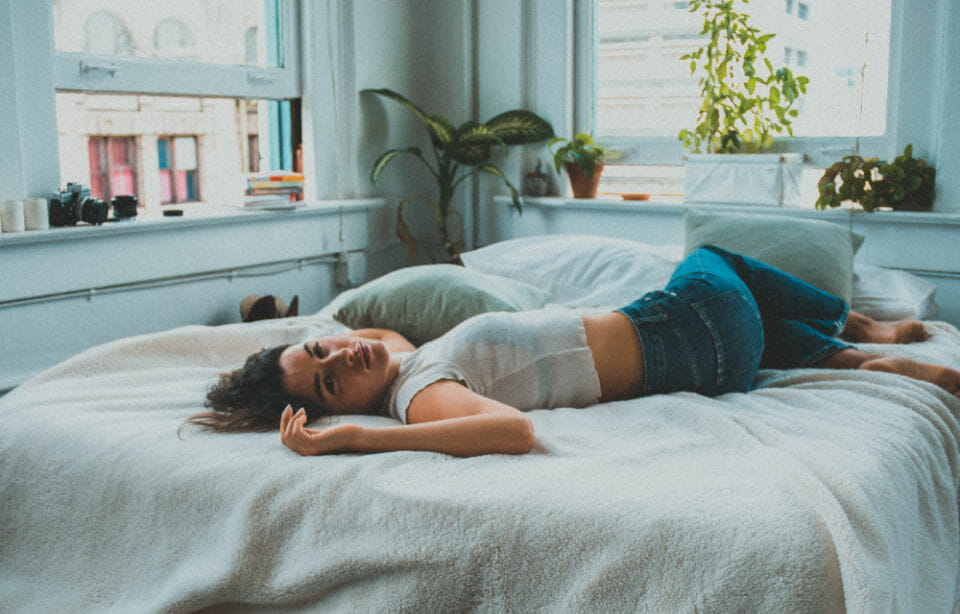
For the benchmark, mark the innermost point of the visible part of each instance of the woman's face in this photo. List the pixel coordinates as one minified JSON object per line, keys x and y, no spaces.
{"x":344,"y":374}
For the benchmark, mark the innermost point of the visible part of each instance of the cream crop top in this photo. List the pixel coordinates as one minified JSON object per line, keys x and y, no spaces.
{"x":528,"y":360}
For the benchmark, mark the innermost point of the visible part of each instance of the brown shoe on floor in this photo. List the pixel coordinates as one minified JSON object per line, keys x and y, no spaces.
{"x":256,"y":307}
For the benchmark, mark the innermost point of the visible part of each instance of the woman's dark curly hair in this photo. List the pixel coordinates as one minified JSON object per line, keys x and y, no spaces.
{"x":252,"y":397}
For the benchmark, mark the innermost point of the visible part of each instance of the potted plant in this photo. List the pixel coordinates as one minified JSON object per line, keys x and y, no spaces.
{"x":583,"y":159}
{"x":458,"y":153}
{"x":745,"y":103}
{"x":906,"y":184}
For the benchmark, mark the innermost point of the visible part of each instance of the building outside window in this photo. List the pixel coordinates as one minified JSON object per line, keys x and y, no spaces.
{"x":253,"y":146}
{"x":803,"y":11}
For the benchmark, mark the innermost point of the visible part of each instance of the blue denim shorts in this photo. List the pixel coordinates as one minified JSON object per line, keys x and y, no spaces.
{"x":723,"y":316}
{"x":701,"y":339}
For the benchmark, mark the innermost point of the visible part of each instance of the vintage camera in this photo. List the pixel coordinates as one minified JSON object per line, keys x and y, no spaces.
{"x":75,"y":204}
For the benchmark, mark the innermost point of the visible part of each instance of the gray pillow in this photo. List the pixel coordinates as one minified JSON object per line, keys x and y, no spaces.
{"x":424,"y":302}
{"x":820,"y":253}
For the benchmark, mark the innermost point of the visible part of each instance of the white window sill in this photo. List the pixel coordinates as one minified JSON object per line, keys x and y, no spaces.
{"x":674,"y":205}
{"x":194,"y":215}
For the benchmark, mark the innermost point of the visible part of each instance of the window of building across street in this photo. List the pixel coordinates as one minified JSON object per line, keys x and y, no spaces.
{"x":113,"y":166}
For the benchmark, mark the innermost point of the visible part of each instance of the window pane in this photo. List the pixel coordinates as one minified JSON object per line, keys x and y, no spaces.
{"x":186,"y":148}
{"x":645,"y":90}
{"x":168,"y":149}
{"x":163,"y":153}
{"x":227,"y":32}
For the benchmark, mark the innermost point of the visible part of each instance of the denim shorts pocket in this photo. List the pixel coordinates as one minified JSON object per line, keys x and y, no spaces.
{"x":736,"y":333}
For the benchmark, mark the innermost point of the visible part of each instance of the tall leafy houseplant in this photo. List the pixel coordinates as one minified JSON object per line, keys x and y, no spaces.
{"x":459,"y":152}
{"x":745,"y":101}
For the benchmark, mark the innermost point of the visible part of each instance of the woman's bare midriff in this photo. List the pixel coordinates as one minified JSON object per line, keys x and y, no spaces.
{"x":617,"y":355}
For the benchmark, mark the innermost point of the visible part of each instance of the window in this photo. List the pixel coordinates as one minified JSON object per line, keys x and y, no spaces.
{"x":194,"y":93}
{"x":177,"y":161}
{"x":644,"y":93}
{"x":113,"y":166}
{"x":173,"y":39}
{"x":253,"y":156}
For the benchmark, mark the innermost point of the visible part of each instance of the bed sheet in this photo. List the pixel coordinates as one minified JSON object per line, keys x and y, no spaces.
{"x":821,"y":491}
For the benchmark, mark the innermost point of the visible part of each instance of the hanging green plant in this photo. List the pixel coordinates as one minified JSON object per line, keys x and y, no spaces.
{"x":745,"y":100}
{"x":906,"y":184}
{"x":458,"y":153}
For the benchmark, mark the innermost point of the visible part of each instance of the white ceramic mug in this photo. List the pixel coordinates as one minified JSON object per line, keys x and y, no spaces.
{"x":11,"y":216}
{"x":36,"y":214}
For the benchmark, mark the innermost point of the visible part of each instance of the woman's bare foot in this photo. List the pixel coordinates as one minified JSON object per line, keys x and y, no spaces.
{"x":945,"y":377}
{"x":863,"y":329}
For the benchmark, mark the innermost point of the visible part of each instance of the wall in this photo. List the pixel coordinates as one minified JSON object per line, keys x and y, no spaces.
{"x":419,"y":48}
{"x":67,"y":289}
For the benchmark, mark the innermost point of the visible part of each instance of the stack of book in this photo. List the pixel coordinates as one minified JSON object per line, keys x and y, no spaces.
{"x":276,"y":188}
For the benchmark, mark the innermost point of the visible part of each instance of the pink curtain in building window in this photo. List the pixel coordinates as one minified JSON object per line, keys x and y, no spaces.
{"x":166,"y":187}
{"x":181,"y":178}
{"x":122,"y":182}
{"x":96,"y":172}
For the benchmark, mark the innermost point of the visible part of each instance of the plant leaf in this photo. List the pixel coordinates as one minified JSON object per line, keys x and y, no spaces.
{"x":472,"y":143}
{"x":389,"y":155}
{"x":519,"y":126}
{"x":493,"y":170}
{"x":441,"y":131}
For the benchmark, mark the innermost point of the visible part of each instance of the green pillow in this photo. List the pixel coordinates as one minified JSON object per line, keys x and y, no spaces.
{"x":424,"y":302}
{"x":818,"y":252}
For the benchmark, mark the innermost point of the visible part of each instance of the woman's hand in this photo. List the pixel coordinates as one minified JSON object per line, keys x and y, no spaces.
{"x":310,"y":442}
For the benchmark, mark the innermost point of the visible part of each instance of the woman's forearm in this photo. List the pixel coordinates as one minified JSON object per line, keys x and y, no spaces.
{"x":467,"y":436}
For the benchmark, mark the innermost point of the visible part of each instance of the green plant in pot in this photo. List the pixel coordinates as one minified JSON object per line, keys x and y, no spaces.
{"x":745,"y":100}
{"x":459,"y":153}
{"x":906,"y":184}
{"x":583,"y":160}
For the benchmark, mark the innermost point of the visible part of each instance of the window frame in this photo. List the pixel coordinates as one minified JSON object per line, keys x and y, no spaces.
{"x":906,"y":111}
{"x":95,"y":73}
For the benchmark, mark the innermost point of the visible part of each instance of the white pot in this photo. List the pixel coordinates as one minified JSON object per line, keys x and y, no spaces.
{"x":743,"y":179}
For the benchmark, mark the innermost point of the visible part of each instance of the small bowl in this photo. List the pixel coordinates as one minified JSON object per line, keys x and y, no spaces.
{"x":634,"y":196}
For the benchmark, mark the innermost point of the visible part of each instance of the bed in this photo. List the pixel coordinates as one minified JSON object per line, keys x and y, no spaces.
{"x":820,"y":491}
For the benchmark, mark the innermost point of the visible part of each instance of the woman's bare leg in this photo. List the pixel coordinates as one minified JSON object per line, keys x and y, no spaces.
{"x":864,"y":329}
{"x":850,"y":358}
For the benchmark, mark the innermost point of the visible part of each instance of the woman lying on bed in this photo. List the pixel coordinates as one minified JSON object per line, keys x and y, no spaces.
{"x":721,"y":317}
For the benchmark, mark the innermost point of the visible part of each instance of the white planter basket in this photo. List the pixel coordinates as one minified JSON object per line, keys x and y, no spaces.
{"x":743,"y":179}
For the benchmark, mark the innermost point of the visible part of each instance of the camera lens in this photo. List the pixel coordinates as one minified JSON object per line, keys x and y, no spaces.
{"x":93,"y":210}
{"x":124,"y":207}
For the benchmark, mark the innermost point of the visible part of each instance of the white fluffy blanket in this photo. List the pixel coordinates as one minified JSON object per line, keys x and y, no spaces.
{"x":820,"y":492}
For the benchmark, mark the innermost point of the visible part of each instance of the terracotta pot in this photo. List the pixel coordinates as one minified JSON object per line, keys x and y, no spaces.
{"x":583,"y":186}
